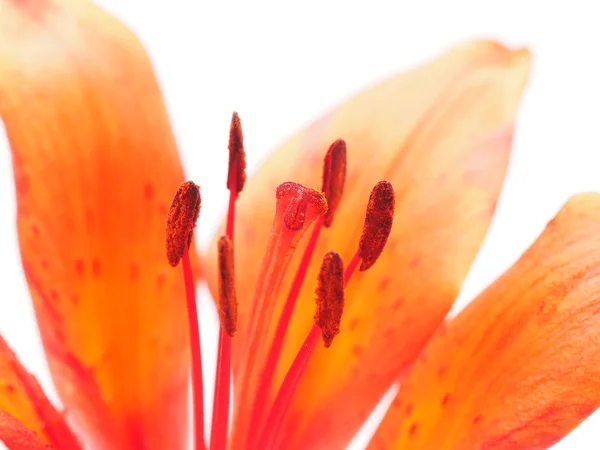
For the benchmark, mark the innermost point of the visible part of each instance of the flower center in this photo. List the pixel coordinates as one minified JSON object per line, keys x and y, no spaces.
{"x":297,"y":208}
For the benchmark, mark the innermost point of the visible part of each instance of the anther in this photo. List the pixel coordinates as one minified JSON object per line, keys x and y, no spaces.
{"x":227,"y":296}
{"x":378,"y":224}
{"x":334,"y":178}
{"x":181,"y":220}
{"x":330,"y":297}
{"x":301,"y":198}
{"x":236,"y":176}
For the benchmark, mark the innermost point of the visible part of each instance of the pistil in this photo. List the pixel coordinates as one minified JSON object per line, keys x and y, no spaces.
{"x":334,"y":178}
{"x":296,"y":209}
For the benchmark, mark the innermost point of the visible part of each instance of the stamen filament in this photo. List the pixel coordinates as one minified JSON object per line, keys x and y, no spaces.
{"x":220,"y":418}
{"x":351,"y":267}
{"x":264,"y":387}
{"x":330,"y":303}
{"x":196,"y":356}
{"x":271,"y":431}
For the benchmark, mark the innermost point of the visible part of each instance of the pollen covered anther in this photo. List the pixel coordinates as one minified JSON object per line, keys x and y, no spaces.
{"x":378,"y":224}
{"x":227,"y":296}
{"x":334,"y":178}
{"x":300,"y":199}
{"x":181,"y":220}
{"x":330,"y":297}
{"x":236,"y":176}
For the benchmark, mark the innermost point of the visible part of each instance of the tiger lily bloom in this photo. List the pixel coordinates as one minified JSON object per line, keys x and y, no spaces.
{"x":96,"y":169}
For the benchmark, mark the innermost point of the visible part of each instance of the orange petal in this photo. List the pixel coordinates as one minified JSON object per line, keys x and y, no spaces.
{"x":518,"y":368}
{"x":18,"y":437}
{"x":95,"y":167}
{"x":25,"y":409}
{"x":441,"y":134}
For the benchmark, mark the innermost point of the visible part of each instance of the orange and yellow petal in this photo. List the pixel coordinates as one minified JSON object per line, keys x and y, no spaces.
{"x":16,"y":436}
{"x":95,"y":167}
{"x":441,"y":134}
{"x":24,"y":409}
{"x":518,"y":368}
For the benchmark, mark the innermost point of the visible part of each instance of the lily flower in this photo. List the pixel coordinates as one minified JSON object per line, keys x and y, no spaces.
{"x":96,"y":169}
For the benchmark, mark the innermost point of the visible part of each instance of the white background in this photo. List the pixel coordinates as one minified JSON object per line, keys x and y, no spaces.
{"x":281,"y":65}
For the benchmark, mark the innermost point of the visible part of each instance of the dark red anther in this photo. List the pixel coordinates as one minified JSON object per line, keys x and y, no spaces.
{"x":378,"y":224}
{"x":334,"y":178}
{"x":181,"y":220}
{"x":236,"y":176}
{"x":227,"y":296}
{"x":330,"y":297}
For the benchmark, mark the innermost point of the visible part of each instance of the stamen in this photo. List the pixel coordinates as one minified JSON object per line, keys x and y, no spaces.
{"x":228,"y":318}
{"x":330,"y":304}
{"x":236,"y":177}
{"x":330,"y":297}
{"x":297,"y":208}
{"x":378,"y":224}
{"x":227,"y":296}
{"x":352,"y":265}
{"x":181,"y":220}
{"x":334,"y":178}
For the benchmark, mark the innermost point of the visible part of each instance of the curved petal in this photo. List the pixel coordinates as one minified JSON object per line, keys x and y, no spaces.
{"x":442,"y":135}
{"x":518,"y":368}
{"x":96,"y":166}
{"x":25,"y":410}
{"x":18,"y":437}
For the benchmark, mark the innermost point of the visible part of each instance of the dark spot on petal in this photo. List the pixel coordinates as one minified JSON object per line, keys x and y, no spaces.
{"x":79,"y":267}
{"x":409,"y":409}
{"x":148,"y":191}
{"x":476,"y":419}
{"x":445,"y":399}
{"x":384,"y":283}
{"x":357,"y":350}
{"x":415,"y":262}
{"x":413,"y":429}
{"x":353,"y":323}
{"x":442,"y":371}
{"x":35,"y":230}
{"x":540,"y":309}
{"x":45,"y":264}
{"x":397,"y":304}
{"x":54,"y":294}
{"x":161,"y":279}
{"x":96,"y":269}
